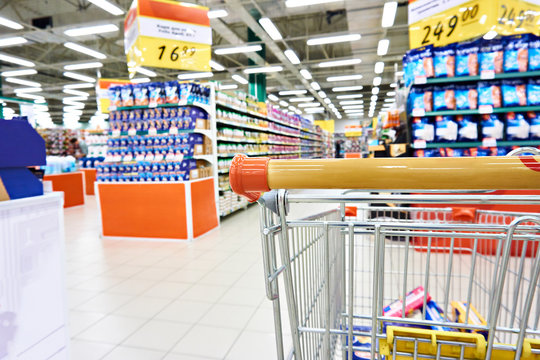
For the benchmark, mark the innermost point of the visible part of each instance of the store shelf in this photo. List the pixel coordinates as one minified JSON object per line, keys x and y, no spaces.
{"x":257,"y":128}
{"x":248,"y":141}
{"x":205,"y":132}
{"x":223,"y":171}
{"x":259,"y":154}
{"x":250,"y":113}
{"x":477,"y":144}
{"x":477,"y":112}
{"x":122,"y":108}
{"x":455,"y":79}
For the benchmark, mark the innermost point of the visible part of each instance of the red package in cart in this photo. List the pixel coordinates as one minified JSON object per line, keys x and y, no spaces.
{"x":414,"y":300}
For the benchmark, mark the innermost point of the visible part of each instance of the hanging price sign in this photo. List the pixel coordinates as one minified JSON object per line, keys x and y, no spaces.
{"x":518,"y":17}
{"x":168,"y":34}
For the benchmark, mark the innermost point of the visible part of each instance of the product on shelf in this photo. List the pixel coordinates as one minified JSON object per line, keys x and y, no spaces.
{"x":61,"y":142}
{"x":492,"y":127}
{"x":516,"y":53}
{"x":467,"y":128}
{"x":446,"y":129}
{"x":533,"y":92}
{"x":514,"y":92}
{"x":489,"y":94}
{"x":467,"y":58}
{"x":490,"y":57}
{"x":60,"y":164}
{"x":517,"y":126}
{"x":466,"y":96}
{"x":444,"y":98}
{"x":444,"y":61}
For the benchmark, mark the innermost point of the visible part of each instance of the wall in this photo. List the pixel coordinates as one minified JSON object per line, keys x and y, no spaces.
{"x":340,"y":124}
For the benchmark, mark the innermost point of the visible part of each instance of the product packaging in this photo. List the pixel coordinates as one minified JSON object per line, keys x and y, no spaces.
{"x":467,"y":128}
{"x":534,"y":53}
{"x":514,"y":92}
{"x":444,"y":98}
{"x":516,"y":53}
{"x":423,"y":129}
{"x":421,"y":98}
{"x":517,"y":127}
{"x":534,"y":121}
{"x":414,"y":300}
{"x":489,"y":93}
{"x":491,"y":56}
{"x":115,"y":95}
{"x":127,"y":95}
{"x":171,"y":92}
{"x":467,"y":58}
{"x":444,"y":60}
{"x":421,"y":62}
{"x":155,"y":94}
{"x":426,"y":153}
{"x":533,"y":91}
{"x":360,"y":341}
{"x":434,"y":313}
{"x":140,"y":94}
{"x":492,"y":127}
{"x":446,"y":129}
{"x":466,"y":96}
{"x":459,"y":314}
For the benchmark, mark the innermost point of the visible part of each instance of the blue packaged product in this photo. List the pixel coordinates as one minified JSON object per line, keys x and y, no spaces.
{"x":183,"y":92}
{"x":171,"y":92}
{"x":502,"y":151}
{"x":155,"y":94}
{"x":491,"y":56}
{"x":517,"y":127}
{"x":444,"y":98}
{"x":421,"y":62}
{"x":140,"y":94}
{"x":115,"y":95}
{"x":467,"y":128}
{"x":434,"y":313}
{"x":127,"y":95}
{"x":516,"y":53}
{"x":492,"y":127}
{"x":483,"y":151}
{"x":407,"y":71}
{"x":466,"y":96}
{"x":489,"y":93}
{"x":467,"y":58}
{"x":534,"y":53}
{"x":534,"y":121}
{"x":533,"y":91}
{"x":423,"y":129}
{"x":446,"y":129}
{"x":360,"y":342}
{"x":444,"y":60}
{"x":455,"y":152}
{"x":514,"y":92}
{"x":421,"y":98}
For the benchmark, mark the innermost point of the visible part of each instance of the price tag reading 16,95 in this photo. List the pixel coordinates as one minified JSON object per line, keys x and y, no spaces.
{"x":441,"y":22}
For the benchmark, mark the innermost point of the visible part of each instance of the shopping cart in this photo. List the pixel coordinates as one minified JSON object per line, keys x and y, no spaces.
{"x":365,"y":281}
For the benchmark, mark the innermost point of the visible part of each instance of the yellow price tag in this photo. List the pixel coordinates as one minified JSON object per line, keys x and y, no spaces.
{"x":518,"y":17}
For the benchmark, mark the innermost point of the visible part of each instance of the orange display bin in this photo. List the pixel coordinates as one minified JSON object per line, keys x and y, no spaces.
{"x":89,"y":180}
{"x":353,"y":155}
{"x":71,"y":184}
{"x":169,"y":210}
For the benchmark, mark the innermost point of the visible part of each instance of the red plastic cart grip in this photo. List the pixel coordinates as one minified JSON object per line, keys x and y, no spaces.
{"x":249,"y":176}
{"x":464,"y":214}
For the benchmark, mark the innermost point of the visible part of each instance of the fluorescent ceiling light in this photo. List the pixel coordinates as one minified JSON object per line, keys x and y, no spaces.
{"x":270,"y":28}
{"x":351,"y":102}
{"x":298,"y":112}
{"x":74,"y":107}
{"x":292,"y":92}
{"x":344,"y":78}
{"x":28,"y":90}
{"x":283,"y":103}
{"x":23,"y":82}
{"x":90,"y":65}
{"x":216,"y":66}
{"x":263,"y":69}
{"x":297,"y":3}
{"x":239,"y":79}
{"x":306,"y":74}
{"x":195,"y":75}
{"x":389,"y":14}
{"x":353,"y":111}
{"x":347,"y":88}
{"x":382,"y":48}
{"x":375,"y":90}
{"x":291,"y":55}
{"x":73,"y":112}
{"x":228,"y":87}
{"x":145,"y":71}
{"x":107,"y":6}
{"x":91,"y":30}
{"x":10,"y":24}
{"x":393,"y":85}
{"x":75,"y":92}
{"x":37,"y":98}
{"x":389,"y":100}
{"x":292,"y":108}
{"x":322,"y":94}
{"x":327,"y":100}
{"x":315,"y":86}
{"x":140,"y":80}
{"x":19,"y":72}
{"x":379,"y":67}
{"x":400,"y":73}
{"x":377,"y":81}
{"x":85,"y":50}
{"x":302,"y":99}
{"x":333,"y":39}
{"x":312,"y":104}
{"x":391,"y":93}
{"x":238,"y":49}
{"x":314,"y":110}
{"x":358,"y":108}
{"x":339,"y":63}
{"x":16,"y":60}
{"x":78,"y":76}
{"x":79,"y":86}
{"x":17,"y":40}
{"x":351,"y":96}
{"x":492,"y":34}
{"x":273,"y":97}
{"x":374,"y":98}
{"x":213,"y":14}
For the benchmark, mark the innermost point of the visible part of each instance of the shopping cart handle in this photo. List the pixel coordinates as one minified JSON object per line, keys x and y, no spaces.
{"x":252,"y":176}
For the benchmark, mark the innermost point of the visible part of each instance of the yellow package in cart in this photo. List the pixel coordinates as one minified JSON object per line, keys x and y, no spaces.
{"x":168,"y":34}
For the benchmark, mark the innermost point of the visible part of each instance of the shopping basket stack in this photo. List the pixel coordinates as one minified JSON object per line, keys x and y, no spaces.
{"x":365,"y":281}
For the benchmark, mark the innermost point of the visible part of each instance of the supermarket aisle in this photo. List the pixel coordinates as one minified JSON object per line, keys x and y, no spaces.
{"x":155,"y":300}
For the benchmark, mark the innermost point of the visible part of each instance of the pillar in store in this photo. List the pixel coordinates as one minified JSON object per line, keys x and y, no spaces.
{"x":257,"y":82}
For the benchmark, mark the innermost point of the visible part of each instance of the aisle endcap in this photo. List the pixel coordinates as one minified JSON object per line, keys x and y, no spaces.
{"x":249,"y":176}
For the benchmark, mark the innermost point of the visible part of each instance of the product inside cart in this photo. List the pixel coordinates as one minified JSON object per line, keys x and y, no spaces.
{"x":372,"y":281}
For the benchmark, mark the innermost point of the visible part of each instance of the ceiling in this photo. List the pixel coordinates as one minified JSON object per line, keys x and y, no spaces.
{"x":45,"y":46}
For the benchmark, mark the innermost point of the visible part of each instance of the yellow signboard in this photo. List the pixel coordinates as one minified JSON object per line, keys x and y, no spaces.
{"x":168,"y":34}
{"x":442,"y":22}
{"x":102,"y":93}
{"x":327,"y":125}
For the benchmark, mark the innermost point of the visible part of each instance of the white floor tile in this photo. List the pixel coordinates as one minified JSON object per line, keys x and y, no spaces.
{"x":81,"y":320}
{"x":207,"y":293}
{"x":158,"y":335}
{"x":167,"y":289}
{"x":186,"y":357}
{"x":184,"y":311}
{"x":254,"y":345}
{"x":88,"y":350}
{"x":143,"y":307}
{"x":125,"y":353}
{"x":132,"y":286}
{"x":228,"y":316}
{"x":242,"y":296}
{"x":112,"y":329}
{"x":105,"y":303}
{"x":207,"y":341}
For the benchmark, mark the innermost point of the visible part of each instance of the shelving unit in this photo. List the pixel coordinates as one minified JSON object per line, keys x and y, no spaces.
{"x":448,"y":80}
{"x":470,"y":144}
{"x":500,"y":110}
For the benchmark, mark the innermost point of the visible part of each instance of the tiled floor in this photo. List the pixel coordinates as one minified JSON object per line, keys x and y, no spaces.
{"x":131,"y":300}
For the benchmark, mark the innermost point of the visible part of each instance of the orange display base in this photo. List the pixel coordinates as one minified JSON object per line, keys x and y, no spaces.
{"x":89,"y":180}
{"x":71,"y":184}
{"x":353,"y":155}
{"x":169,"y":210}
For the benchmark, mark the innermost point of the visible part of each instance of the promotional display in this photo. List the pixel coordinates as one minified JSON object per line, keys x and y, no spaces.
{"x":167,"y":34}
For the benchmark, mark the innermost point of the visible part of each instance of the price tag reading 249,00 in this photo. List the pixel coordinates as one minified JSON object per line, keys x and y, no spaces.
{"x":446,"y":29}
